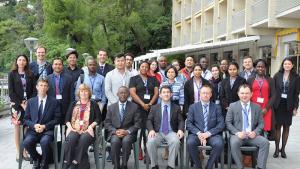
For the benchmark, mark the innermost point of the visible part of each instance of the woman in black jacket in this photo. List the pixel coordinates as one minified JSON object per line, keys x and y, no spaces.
{"x":286,"y":102}
{"x":21,"y":87}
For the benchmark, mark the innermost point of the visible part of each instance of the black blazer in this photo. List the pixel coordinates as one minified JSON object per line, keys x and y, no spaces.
{"x":189,"y":92}
{"x":272,"y":92}
{"x":293,"y":91}
{"x":107,"y":68}
{"x":228,"y":95}
{"x":95,"y":114}
{"x":35,"y":69}
{"x":66,"y":91}
{"x":132,"y":120}
{"x":154,"y":118}
{"x":15,"y":88}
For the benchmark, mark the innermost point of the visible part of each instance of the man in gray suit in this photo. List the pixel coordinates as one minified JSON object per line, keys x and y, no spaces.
{"x":122,"y":123}
{"x":164,"y":122}
{"x":244,"y":120}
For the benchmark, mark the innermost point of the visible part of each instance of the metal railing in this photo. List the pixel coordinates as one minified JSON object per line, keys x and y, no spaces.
{"x":4,"y":98}
{"x":196,"y":6}
{"x":238,"y":20}
{"x":222,"y":26}
{"x":208,"y":32}
{"x":284,"y":5}
{"x":259,"y":11}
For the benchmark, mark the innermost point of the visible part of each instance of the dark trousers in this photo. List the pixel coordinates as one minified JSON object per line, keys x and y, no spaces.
{"x":76,"y":145}
{"x":116,"y":144}
{"x":45,"y":141}
{"x":217,"y":144}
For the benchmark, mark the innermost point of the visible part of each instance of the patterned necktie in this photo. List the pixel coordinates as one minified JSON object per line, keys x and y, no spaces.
{"x":122,"y":111}
{"x":165,"y":122}
{"x":101,"y":69}
{"x":205,"y":114}
{"x":40,"y":111}
{"x":245,"y":112}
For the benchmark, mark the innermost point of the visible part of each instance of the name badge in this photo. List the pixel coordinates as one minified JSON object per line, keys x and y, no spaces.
{"x":147,"y":96}
{"x":93,"y":97}
{"x":260,"y":100}
{"x":81,"y":122}
{"x":59,"y":97}
{"x":25,"y":95}
{"x":283,"y":95}
{"x":217,"y":102}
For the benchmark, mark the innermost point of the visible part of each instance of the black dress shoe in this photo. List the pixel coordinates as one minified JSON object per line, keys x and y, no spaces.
{"x":156,"y":167}
{"x":168,"y":167}
{"x":283,"y":155}
{"x":65,"y":166}
{"x":276,"y":154}
{"x":36,"y":165}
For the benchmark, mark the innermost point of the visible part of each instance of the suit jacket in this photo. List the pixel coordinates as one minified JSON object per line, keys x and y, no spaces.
{"x":234,"y":118}
{"x":293,"y":91}
{"x":272,"y":91}
{"x":228,"y":95}
{"x":154,"y":118}
{"x":16,"y":91}
{"x":50,"y":118}
{"x":107,"y":68}
{"x":131,"y":122}
{"x":35,"y":69}
{"x":195,"y":119}
{"x":189,"y":92}
{"x":66,"y":91}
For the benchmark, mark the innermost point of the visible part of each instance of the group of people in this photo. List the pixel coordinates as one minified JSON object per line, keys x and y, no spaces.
{"x":161,"y":99}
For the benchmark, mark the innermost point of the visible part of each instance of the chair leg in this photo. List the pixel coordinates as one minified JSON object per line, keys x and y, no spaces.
{"x":136,"y":154}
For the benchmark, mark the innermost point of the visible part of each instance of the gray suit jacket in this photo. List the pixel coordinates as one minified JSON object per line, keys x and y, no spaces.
{"x":131,"y":121}
{"x":234,"y":118}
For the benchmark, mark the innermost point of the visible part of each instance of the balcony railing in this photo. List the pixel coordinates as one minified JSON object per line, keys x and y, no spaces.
{"x":259,"y":11}
{"x":284,"y":5}
{"x":208,"y":32}
{"x":238,"y":20}
{"x":197,"y":6}
{"x":207,"y":3}
{"x":222,"y":27}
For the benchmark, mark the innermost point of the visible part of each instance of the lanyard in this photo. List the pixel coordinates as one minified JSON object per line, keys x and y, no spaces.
{"x":146,"y":85}
{"x":58,"y":86}
{"x":198,"y":88}
{"x":260,"y":85}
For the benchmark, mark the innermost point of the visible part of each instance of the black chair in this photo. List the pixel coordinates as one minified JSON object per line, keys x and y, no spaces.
{"x":201,"y":148}
{"x":135,"y":146}
{"x":95,"y":146}
{"x":53,"y":146}
{"x":252,"y":149}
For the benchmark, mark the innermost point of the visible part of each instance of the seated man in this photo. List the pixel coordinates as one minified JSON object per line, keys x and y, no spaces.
{"x":164,"y":122}
{"x":205,"y":124}
{"x":41,"y":115}
{"x":244,"y":120}
{"x":122,"y":123}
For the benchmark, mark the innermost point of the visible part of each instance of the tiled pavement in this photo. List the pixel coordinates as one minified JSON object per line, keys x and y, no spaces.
{"x":7,"y":150}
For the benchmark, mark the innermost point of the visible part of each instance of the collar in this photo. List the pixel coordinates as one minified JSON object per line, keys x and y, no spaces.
{"x":203,"y":103}
{"x":92,"y":75}
{"x":249,"y":71}
{"x":165,"y":103}
{"x":44,"y":99}
{"x":69,"y":67}
{"x":102,"y":64}
{"x":248,"y":103}
{"x":120,"y":103}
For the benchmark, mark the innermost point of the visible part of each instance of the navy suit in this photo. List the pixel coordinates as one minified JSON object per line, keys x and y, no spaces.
{"x":215,"y":125}
{"x":65,"y":91}
{"x":50,"y":118}
{"x":35,"y":69}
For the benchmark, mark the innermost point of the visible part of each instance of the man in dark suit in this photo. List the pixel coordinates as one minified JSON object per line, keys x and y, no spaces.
{"x":60,"y":86}
{"x":122,"y":123}
{"x":40,"y":68}
{"x":41,"y":115}
{"x":103,"y":67}
{"x":205,"y":124}
{"x":164,"y":122}
{"x":244,"y":121}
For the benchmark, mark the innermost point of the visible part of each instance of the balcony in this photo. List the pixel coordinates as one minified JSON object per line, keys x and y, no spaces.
{"x":287,"y":7}
{"x":197,"y":6}
{"x":208,"y":33}
{"x":222,"y":27}
{"x":238,"y":21}
{"x":259,"y":11}
{"x":207,"y":3}
{"x":196,"y":36}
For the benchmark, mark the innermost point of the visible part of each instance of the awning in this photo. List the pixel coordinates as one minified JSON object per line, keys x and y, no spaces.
{"x":195,"y":47}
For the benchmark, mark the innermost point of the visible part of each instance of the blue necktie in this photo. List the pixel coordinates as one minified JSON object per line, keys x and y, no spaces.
{"x":165,"y":122}
{"x":245,"y":112}
{"x":122,"y":112}
{"x":205,"y":114}
{"x":40,"y":111}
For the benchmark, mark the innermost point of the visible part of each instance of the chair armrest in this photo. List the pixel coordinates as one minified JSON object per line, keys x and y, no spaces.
{"x":227,"y":135}
{"x":55,"y":132}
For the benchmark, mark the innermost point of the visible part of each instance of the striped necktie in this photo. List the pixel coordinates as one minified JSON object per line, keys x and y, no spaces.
{"x":205,"y":114}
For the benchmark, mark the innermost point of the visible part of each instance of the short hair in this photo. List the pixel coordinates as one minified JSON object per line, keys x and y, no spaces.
{"x":175,"y":60}
{"x":43,"y":47}
{"x":74,"y":52}
{"x":140,"y":64}
{"x":88,"y":58}
{"x":215,"y":65}
{"x":207,"y":86}
{"x":129,"y":54}
{"x":119,"y":55}
{"x":84,"y":86}
{"x":189,"y":56}
{"x":124,"y":87}
{"x":103,"y":50}
{"x":42,"y":80}
{"x":165,"y":87}
{"x":244,"y":86}
{"x":162,"y":57}
{"x":247,"y":57}
{"x":234,"y":64}
{"x":171,"y":67}
{"x":58,"y":58}
{"x":197,"y":64}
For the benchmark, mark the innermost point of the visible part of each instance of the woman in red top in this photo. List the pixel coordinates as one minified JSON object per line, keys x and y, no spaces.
{"x":263,"y":89}
{"x":153,"y":71}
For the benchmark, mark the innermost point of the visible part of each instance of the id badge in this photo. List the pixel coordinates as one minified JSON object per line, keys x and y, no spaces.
{"x":260,"y":100}
{"x":59,"y":97}
{"x":93,"y":97}
{"x":217,"y":102}
{"x":147,"y":96}
{"x":283,"y":95}
{"x":81,"y":122}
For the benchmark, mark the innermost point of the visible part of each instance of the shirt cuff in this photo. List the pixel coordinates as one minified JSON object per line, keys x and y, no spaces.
{"x":209,"y":134}
{"x":199,"y":132}
{"x":128,"y":131}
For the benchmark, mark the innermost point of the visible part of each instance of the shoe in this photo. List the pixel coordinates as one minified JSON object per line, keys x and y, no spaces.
{"x":168,"y":167}
{"x":108,"y":158}
{"x":283,"y":154}
{"x":276,"y":154}
{"x":74,"y":166}
{"x":65,"y":166}
{"x":156,"y":167}
{"x":36,"y":165}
